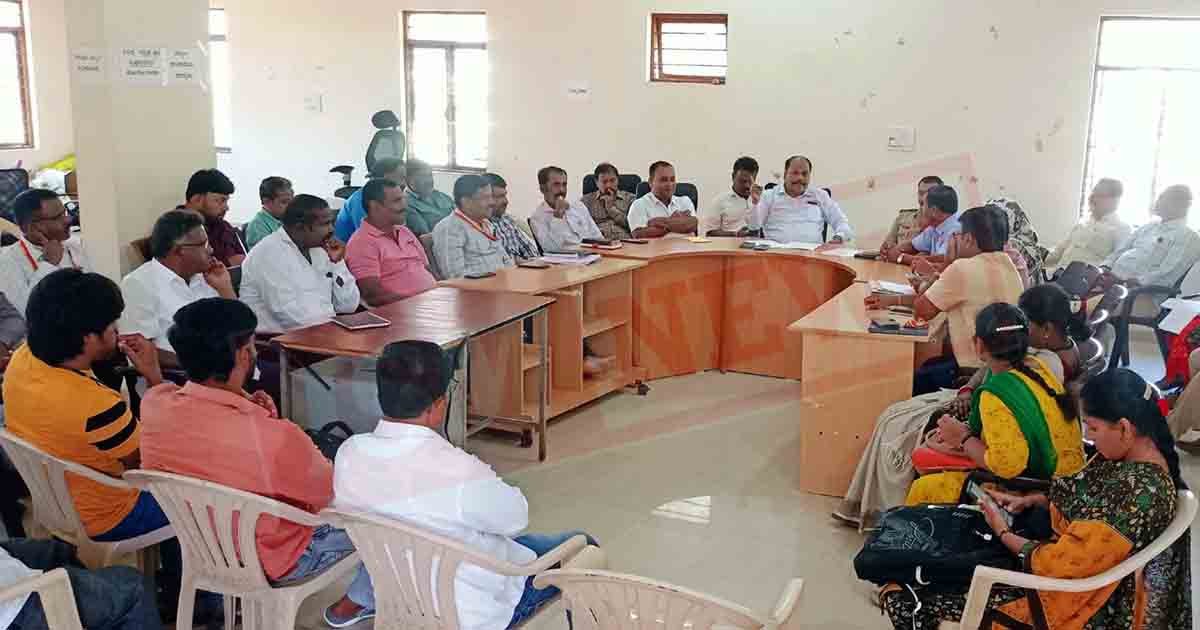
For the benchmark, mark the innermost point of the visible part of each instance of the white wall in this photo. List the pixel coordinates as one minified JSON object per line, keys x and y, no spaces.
{"x":50,"y":88}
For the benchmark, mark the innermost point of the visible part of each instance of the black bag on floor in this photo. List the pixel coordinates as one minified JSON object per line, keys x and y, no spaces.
{"x":930,"y":544}
{"x":327,"y":439}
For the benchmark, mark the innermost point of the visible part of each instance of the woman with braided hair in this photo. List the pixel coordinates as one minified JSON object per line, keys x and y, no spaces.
{"x":1022,"y":420}
{"x":1114,"y":508}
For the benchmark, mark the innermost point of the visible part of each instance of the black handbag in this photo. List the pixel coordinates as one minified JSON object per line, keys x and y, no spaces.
{"x":327,"y":439}
{"x":931,"y":544}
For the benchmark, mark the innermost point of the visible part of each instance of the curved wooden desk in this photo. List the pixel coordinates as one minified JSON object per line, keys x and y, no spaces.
{"x":702,"y":306}
{"x":781,"y":313}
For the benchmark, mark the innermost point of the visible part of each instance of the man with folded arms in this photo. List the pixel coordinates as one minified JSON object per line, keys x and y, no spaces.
{"x":387,"y":260}
{"x":406,"y":470}
{"x":608,"y":204}
{"x":660,"y":212}
{"x":560,"y":225}
{"x":797,"y":212}
{"x":297,"y":276}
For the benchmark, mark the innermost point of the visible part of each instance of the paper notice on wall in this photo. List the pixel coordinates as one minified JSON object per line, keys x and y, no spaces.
{"x":580,"y":91}
{"x":89,"y":66}
{"x":184,"y":67}
{"x":143,"y":66}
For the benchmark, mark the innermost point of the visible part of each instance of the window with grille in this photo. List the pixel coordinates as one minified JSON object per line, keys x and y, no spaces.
{"x":16,"y":117}
{"x":221,"y":79}
{"x":446,"y":88}
{"x":689,"y":48}
{"x":1144,"y":130}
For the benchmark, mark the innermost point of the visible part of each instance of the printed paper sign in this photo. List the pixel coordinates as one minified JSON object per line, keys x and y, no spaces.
{"x":183,"y":67}
{"x":143,"y":66}
{"x":89,"y":65}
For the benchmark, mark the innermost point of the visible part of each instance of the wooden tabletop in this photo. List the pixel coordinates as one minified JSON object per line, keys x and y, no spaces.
{"x":846,"y":315}
{"x":679,"y":247}
{"x":443,"y":315}
{"x":534,"y":281}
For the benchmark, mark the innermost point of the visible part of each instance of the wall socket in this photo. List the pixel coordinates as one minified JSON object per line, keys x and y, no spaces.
{"x":902,"y":138}
{"x":314,"y":103}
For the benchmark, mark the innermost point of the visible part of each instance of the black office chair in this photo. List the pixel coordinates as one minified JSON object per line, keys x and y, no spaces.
{"x":625,"y":181}
{"x":533,"y":233}
{"x":346,"y":190}
{"x":388,"y":142}
{"x":682,"y":189}
{"x":1125,"y":318}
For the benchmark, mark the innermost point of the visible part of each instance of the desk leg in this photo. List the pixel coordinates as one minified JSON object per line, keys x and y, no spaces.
{"x":285,"y":384}
{"x":543,"y":377}
{"x":457,"y":429}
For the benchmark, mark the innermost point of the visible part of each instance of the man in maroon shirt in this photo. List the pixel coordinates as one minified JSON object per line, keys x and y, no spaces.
{"x":208,"y":193}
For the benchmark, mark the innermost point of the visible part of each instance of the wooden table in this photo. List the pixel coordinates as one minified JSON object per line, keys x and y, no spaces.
{"x":849,"y":377}
{"x":593,"y":303}
{"x":445,"y":316}
{"x":703,"y":306}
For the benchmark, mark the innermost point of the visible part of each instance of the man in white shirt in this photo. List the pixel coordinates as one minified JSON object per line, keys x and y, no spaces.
{"x":297,"y":276}
{"x":1096,"y":238}
{"x":558,"y":224}
{"x":1158,"y":253}
{"x":45,"y":245}
{"x":799,"y":213}
{"x":181,"y":271}
{"x":729,"y":212}
{"x":406,"y":470}
{"x":113,"y":598}
{"x":659,"y":212}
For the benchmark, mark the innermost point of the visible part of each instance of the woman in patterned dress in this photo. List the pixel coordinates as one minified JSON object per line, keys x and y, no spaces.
{"x":1115,"y":507}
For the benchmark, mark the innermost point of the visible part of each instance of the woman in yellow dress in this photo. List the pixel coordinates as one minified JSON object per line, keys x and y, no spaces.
{"x":1022,"y":421}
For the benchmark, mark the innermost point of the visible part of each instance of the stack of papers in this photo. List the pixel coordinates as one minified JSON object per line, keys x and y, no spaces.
{"x":808,"y":247}
{"x":890,"y":288}
{"x":578,"y":260}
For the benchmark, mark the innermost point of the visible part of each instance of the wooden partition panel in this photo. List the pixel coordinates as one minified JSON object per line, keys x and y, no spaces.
{"x":763,"y":296}
{"x":497,"y":386}
{"x":677,"y":315}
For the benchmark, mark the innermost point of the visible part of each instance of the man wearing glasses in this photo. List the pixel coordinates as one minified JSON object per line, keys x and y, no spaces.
{"x":181,"y":271}
{"x":45,"y":245}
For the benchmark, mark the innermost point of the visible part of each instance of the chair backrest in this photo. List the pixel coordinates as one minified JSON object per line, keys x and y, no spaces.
{"x":625,"y":181}
{"x":388,"y":142}
{"x":215,"y":525}
{"x":46,"y":477}
{"x":141,"y":247}
{"x":533,"y":233}
{"x":57,"y":598}
{"x":427,"y":243}
{"x":604,"y":599}
{"x":412,"y":569}
{"x":1091,"y":359}
{"x":1113,"y":299}
{"x":682,"y":189}
{"x":13,"y":181}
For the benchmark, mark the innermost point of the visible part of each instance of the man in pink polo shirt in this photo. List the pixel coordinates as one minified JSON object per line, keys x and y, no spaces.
{"x":384,"y":256}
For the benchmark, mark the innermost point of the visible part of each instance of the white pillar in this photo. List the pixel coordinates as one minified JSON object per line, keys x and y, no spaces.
{"x":137,"y":143}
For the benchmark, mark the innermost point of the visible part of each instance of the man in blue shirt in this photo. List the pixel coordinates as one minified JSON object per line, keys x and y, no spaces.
{"x":353,"y":211}
{"x":940,"y":218}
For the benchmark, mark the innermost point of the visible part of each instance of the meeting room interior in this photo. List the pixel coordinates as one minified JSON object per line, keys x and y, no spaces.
{"x":490,"y":314}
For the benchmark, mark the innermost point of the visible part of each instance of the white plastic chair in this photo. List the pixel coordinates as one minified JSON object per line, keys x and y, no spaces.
{"x":987,"y":577}
{"x":603,"y":600}
{"x":54,"y":509}
{"x":57,"y":598}
{"x":413,"y":569}
{"x":216,"y":526}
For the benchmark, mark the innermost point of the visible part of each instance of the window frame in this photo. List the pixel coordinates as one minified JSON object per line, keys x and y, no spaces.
{"x":410,"y":104}
{"x":657,"y":21}
{"x":22,"y":44}
{"x":1097,"y":69}
{"x":225,"y":39}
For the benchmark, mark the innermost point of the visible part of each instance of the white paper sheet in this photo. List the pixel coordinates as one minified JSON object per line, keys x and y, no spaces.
{"x":1182,"y":313}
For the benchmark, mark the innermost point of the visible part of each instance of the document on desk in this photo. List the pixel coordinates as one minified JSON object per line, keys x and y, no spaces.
{"x":1181,"y":314}
{"x":890,"y":288}
{"x":843,"y":252}
{"x":808,"y":247}
{"x":578,"y":260}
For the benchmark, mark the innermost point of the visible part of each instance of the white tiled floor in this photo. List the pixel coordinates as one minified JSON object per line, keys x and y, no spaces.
{"x":747,"y":530}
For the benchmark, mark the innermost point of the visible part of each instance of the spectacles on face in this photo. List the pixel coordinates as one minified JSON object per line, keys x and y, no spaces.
{"x":57,"y":217}
{"x":203,"y":243}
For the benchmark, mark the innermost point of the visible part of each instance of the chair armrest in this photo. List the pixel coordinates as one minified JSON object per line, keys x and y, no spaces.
{"x":987,"y":577}
{"x":591,"y":557}
{"x":558,"y":555}
{"x":58,"y":600}
{"x":785,"y":609}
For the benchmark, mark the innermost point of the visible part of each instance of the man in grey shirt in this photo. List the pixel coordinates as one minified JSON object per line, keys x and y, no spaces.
{"x":12,"y":333}
{"x":465,"y":243}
